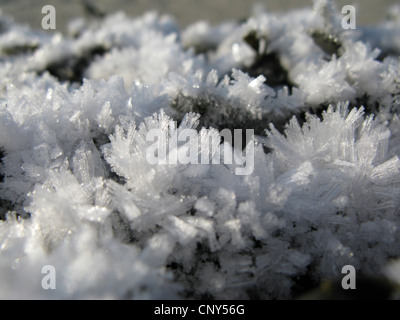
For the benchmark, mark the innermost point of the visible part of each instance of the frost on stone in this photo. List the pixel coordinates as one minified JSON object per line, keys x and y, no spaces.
{"x":78,"y":192}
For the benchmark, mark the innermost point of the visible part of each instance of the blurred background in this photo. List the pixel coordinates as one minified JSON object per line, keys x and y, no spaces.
{"x":184,"y":11}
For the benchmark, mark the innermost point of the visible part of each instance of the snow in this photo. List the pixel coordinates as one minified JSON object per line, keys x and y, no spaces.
{"x":78,"y":193}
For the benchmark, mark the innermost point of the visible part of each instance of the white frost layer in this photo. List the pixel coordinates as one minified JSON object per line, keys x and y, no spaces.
{"x":324,"y":192}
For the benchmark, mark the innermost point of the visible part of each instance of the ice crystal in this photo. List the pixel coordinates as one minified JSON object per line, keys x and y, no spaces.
{"x":77,"y":191}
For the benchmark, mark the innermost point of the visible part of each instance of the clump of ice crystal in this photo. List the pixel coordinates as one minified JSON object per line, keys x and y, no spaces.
{"x":77,"y":193}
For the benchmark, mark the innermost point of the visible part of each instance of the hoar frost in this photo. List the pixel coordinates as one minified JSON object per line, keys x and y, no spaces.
{"x":77,"y":191}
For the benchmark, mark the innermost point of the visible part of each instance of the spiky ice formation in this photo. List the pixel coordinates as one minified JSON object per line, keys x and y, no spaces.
{"x":79,"y":194}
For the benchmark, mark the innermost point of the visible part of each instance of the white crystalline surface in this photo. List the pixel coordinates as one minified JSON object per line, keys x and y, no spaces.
{"x":77,"y":193}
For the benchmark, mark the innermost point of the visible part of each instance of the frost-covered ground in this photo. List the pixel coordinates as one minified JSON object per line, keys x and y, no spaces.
{"x":77,"y":192}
